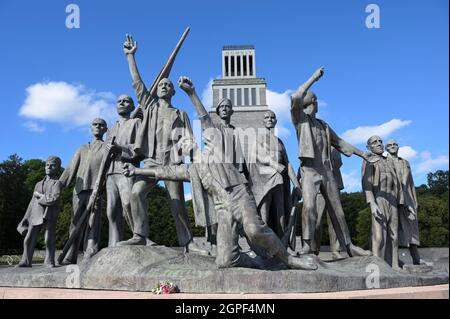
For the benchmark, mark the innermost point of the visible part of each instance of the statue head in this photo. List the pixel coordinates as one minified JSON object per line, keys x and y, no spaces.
{"x":165,"y":89}
{"x":52,"y":165}
{"x":310,"y":104}
{"x":125,"y":105}
{"x":270,"y":119}
{"x":392,"y":147}
{"x":224,"y":109}
{"x":375,"y":145}
{"x":98,"y":127}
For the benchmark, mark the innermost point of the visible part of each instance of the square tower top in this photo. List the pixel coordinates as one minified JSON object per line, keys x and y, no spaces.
{"x":238,"y":61}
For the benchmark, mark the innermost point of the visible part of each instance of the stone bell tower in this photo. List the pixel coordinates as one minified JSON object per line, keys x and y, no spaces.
{"x":240,"y":84}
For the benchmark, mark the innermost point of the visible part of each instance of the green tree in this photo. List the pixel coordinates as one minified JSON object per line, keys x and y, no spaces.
{"x":352,"y":204}
{"x":433,"y":220}
{"x":14,"y":198}
{"x":438,"y":182}
{"x":363,"y":228}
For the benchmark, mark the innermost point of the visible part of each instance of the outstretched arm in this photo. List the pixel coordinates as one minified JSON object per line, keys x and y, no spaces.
{"x":346,"y":148}
{"x":167,"y":173}
{"x":187,"y":86}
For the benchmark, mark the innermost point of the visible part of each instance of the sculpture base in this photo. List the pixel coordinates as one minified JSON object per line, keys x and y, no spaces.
{"x":138,"y":268}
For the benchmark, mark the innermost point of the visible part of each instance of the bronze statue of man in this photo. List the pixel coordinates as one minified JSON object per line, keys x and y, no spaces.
{"x":383,"y":191}
{"x":408,"y":229}
{"x":118,"y":186}
{"x":162,"y":126}
{"x":271,"y":175}
{"x":315,"y":139}
{"x":83,"y":170}
{"x":231,"y":153}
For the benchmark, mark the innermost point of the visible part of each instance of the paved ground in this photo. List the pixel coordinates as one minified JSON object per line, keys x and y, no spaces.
{"x":428,"y":292}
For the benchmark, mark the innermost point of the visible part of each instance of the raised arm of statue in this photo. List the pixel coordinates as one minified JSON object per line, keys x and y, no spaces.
{"x":187,"y":86}
{"x":130,"y":48}
{"x":297,"y":97}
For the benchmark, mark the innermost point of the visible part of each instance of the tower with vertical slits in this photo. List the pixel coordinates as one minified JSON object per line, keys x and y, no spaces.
{"x":240,"y":84}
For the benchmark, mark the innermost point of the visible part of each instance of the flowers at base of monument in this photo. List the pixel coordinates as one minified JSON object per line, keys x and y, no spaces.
{"x":165,"y":288}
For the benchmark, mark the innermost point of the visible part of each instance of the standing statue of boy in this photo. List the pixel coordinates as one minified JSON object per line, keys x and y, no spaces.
{"x":383,"y":191}
{"x":83,"y":170}
{"x":315,"y":139}
{"x":43,"y":209}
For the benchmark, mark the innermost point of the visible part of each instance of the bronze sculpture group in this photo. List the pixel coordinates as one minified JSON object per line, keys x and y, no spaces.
{"x":231,"y":196}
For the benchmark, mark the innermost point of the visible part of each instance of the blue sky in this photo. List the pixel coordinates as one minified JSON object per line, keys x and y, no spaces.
{"x":392,"y":81}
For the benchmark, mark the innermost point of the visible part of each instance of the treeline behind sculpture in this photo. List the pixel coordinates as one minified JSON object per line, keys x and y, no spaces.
{"x":18,"y":177}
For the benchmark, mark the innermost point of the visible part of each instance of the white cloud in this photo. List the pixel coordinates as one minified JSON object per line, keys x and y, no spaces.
{"x":407,"y":152}
{"x":362,"y":133}
{"x":206,"y":95}
{"x":187,"y":196}
{"x":282,"y":132}
{"x":352,"y":181}
{"x":64,"y":103}
{"x":34,"y":127}
{"x":280,"y":103}
{"x":321,"y":104}
{"x":429,"y":164}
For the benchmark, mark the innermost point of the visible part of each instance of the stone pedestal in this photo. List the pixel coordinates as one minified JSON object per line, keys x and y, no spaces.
{"x":138,"y":268}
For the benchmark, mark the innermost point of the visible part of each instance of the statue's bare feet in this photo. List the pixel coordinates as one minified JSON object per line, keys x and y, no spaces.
{"x":354,"y":251}
{"x":303,"y":262}
{"x":136,"y":240}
